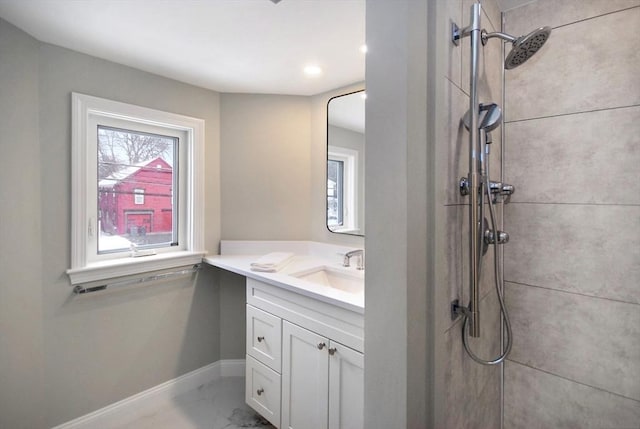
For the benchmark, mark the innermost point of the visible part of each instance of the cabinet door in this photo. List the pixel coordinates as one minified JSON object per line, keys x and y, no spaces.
{"x":305,"y":378}
{"x":346,"y":387}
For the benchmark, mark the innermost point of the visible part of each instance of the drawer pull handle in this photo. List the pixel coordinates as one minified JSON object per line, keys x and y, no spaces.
{"x":321,"y":346}
{"x":260,"y":339}
{"x":332,"y":351}
{"x":260,"y":391}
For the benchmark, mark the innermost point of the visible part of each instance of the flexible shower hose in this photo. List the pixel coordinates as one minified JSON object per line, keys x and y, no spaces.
{"x":499,"y":291}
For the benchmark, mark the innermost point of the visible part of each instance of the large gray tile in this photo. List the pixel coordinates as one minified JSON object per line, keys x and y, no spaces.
{"x":451,"y":262}
{"x":589,"y":249}
{"x":585,"y":66}
{"x":537,"y":400}
{"x":589,"y":340}
{"x":481,"y":411}
{"x":554,"y":13}
{"x":466,"y":380}
{"x":454,"y":53}
{"x":488,"y":413}
{"x":584,"y":158}
{"x":492,"y":12}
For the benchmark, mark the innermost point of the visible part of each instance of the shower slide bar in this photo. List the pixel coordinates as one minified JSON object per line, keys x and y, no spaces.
{"x":480,"y":119}
{"x":80,"y":289}
{"x":473,"y":31}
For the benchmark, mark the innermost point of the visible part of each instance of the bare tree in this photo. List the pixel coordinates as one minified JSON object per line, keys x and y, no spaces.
{"x":119,"y":148}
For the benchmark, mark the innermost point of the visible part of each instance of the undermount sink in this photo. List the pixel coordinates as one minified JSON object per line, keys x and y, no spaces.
{"x":346,"y":280}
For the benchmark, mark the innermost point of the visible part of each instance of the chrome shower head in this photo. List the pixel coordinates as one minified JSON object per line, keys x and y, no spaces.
{"x":524,"y":47}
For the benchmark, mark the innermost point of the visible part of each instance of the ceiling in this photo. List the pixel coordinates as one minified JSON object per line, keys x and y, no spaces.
{"x":248,"y":46}
{"x":347,"y":111}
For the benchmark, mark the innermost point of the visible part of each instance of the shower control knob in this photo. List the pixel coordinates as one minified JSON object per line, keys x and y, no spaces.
{"x":490,"y":237}
{"x":503,"y":237}
{"x":501,"y":188}
{"x":507,"y":189}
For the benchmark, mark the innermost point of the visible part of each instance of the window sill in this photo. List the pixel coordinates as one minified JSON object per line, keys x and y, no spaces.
{"x":109,"y":270}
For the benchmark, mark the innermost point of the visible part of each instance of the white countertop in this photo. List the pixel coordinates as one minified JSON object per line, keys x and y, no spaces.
{"x":241,"y":264}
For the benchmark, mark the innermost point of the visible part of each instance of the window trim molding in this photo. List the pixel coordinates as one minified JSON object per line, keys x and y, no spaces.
{"x":82,"y":269}
{"x":350,"y":193}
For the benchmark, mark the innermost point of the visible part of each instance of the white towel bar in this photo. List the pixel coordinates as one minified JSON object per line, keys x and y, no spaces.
{"x":79,"y":289}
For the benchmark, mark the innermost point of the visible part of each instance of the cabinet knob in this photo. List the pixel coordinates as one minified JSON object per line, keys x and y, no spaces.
{"x":260,"y":339}
{"x":321,"y":346}
{"x":332,"y":351}
{"x":260,"y":391}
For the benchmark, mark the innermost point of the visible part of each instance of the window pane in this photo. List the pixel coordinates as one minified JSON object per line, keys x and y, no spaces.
{"x":136,"y":183}
{"x":335,"y":192}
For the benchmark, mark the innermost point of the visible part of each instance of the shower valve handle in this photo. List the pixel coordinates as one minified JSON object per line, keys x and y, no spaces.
{"x":501,"y":188}
{"x":495,"y":237}
{"x":495,"y":187}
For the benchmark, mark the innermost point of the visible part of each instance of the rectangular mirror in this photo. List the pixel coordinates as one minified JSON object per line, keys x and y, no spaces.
{"x":345,"y":163}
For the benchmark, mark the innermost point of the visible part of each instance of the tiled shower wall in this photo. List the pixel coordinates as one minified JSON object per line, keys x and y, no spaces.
{"x":471,"y":392}
{"x":572,"y":267}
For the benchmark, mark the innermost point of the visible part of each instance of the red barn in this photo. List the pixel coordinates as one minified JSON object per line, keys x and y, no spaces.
{"x":137,"y":200}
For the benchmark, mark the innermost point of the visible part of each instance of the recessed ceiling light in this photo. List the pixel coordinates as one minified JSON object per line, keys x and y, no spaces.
{"x":312,"y":70}
{"x":363,"y":49}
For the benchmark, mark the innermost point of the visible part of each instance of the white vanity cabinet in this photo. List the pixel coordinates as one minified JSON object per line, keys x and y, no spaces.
{"x":305,"y":366}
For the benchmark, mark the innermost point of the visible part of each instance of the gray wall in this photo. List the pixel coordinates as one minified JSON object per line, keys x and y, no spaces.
{"x":573,"y":264}
{"x":265,"y":174}
{"x":63,"y":355}
{"x":396,"y":216}
{"x":21,"y":297}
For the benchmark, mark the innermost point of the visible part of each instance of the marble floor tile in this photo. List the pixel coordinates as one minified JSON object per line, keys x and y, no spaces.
{"x":216,"y":405}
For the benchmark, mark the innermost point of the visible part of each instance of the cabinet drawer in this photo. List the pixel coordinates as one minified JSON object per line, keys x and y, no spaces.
{"x":262,"y":390}
{"x":264,"y":337}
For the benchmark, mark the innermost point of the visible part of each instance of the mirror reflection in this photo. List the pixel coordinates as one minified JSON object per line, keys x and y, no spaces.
{"x":345,"y":163}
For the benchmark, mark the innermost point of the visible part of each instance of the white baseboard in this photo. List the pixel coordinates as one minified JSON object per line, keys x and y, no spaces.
{"x":232,"y":368}
{"x":156,"y":396}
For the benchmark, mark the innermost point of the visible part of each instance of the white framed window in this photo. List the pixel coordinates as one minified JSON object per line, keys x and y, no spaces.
{"x":137,"y":183}
{"x":335,"y":193}
{"x":138,"y":196}
{"x":342,"y":193}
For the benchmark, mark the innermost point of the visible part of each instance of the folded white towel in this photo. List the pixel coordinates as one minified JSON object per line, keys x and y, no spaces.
{"x":271,"y":262}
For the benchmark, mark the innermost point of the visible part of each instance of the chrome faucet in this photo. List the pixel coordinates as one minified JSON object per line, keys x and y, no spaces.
{"x":357,"y":252}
